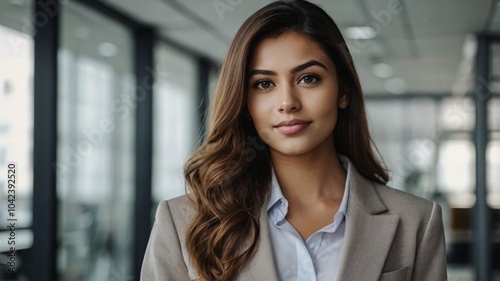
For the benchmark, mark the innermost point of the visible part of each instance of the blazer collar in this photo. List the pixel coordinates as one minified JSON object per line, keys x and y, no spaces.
{"x":363,"y":193}
{"x":367,"y":239}
{"x":369,"y":232}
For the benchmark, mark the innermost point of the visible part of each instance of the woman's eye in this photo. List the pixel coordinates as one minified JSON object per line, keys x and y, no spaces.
{"x":263,"y":84}
{"x":309,"y":79}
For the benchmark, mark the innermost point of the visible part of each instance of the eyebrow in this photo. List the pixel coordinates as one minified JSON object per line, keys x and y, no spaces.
{"x":292,"y":71}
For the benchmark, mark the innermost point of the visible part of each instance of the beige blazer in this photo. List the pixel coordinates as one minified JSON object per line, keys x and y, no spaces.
{"x":390,"y":236}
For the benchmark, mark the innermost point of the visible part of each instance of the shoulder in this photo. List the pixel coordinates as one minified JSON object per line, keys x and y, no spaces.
{"x":377,"y":198}
{"x":396,"y":199}
{"x":176,"y":210}
{"x":410,"y":208}
{"x":165,"y":257}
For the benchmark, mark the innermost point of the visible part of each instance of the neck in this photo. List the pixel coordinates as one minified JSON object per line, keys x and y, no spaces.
{"x":308,"y":178}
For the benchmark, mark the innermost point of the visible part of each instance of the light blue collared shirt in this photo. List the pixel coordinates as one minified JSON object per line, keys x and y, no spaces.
{"x":318,"y":259}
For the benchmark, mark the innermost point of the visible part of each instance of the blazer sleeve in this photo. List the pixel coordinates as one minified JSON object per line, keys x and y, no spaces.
{"x":430,"y":262}
{"x":163,"y":260}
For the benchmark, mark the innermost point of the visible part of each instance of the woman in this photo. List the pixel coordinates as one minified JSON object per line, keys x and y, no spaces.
{"x":286,"y":185}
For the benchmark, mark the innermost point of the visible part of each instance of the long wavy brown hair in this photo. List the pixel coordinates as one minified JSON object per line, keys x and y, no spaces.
{"x":229,"y":174}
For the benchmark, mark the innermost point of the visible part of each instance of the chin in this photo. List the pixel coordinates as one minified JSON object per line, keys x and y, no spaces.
{"x":300,"y":147}
{"x":290,"y":151}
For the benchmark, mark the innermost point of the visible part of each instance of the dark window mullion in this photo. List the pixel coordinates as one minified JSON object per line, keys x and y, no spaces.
{"x":144,"y":74}
{"x":46,"y":38}
{"x":482,"y":242}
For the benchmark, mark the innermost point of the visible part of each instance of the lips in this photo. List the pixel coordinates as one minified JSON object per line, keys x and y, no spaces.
{"x":290,"y":127}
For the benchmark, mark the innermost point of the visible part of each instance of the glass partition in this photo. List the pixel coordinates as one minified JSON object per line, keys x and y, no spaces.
{"x":493,"y":155}
{"x":16,"y":132}
{"x":176,"y":121}
{"x":95,"y":166}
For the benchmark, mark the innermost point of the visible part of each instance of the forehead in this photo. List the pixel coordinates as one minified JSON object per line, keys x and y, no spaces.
{"x":286,"y":51}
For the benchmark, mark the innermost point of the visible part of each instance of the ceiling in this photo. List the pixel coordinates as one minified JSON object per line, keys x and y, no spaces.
{"x":422,"y":41}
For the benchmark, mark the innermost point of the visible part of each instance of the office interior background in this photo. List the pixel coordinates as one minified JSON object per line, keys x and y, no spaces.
{"x":102,"y":101}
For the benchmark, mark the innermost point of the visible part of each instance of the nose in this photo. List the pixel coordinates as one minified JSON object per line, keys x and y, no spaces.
{"x":288,"y":101}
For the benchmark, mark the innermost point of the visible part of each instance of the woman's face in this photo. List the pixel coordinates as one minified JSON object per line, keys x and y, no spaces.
{"x":293,"y":94}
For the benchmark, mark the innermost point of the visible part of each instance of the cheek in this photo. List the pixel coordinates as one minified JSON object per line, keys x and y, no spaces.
{"x":328,"y":104}
{"x":261,"y":119}
{"x":322,"y":105}
{"x":258,"y":108}
{"x":261,"y":112}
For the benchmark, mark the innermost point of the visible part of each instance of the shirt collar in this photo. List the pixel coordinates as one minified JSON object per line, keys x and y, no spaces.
{"x":277,"y":207}
{"x":278,"y":198}
{"x":276,"y":194}
{"x":346,"y":163}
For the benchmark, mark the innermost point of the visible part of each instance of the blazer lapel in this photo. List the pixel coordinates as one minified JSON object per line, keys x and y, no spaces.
{"x":369,"y":233}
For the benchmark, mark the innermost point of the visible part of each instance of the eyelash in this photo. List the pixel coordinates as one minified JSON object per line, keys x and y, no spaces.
{"x":314,"y":76}
{"x":259,"y":82}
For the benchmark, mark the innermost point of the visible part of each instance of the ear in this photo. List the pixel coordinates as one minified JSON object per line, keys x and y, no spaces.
{"x":343,"y":101}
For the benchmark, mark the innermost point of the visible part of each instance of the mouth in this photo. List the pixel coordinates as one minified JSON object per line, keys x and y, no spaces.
{"x":290,"y":127}
{"x":292,"y":123}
